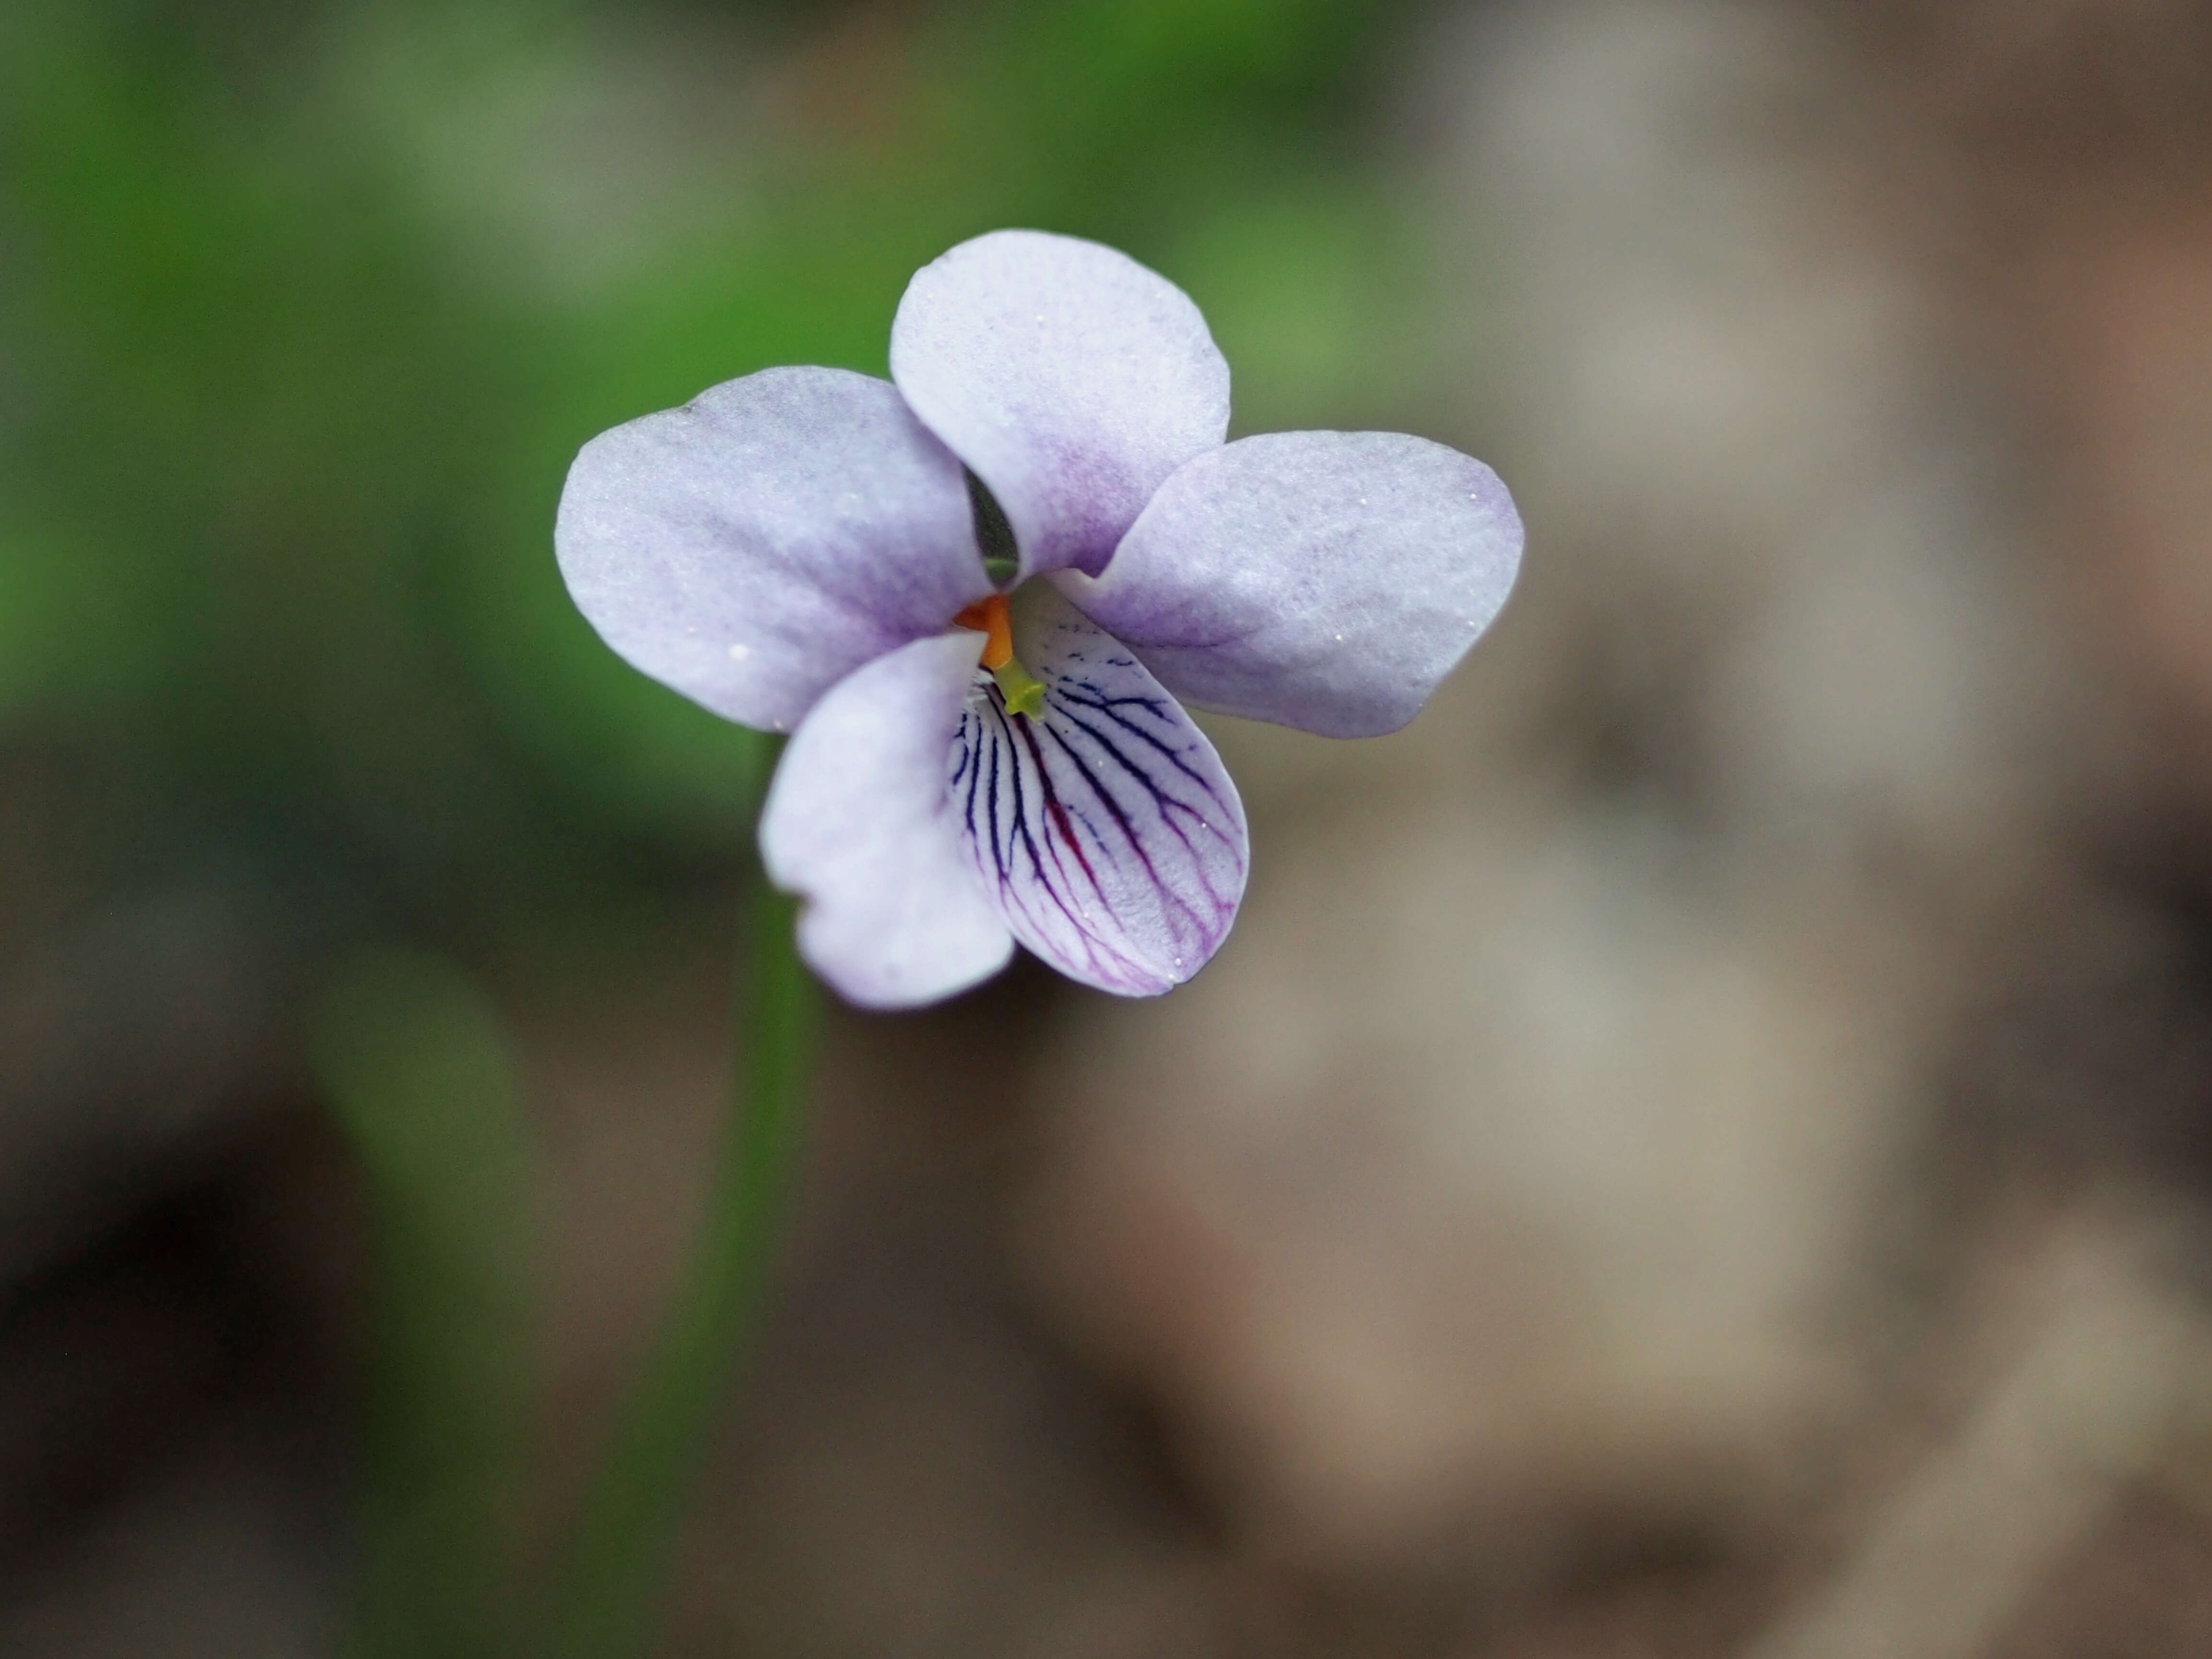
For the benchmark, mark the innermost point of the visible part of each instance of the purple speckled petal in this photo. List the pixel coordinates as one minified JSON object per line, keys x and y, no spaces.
{"x":1106,"y":829}
{"x":859,"y":823}
{"x":1069,"y":377}
{"x":755,"y":546}
{"x":1321,"y":580}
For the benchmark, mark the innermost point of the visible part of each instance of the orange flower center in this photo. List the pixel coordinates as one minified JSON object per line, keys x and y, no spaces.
{"x":1023,"y":691}
{"x":990,"y":617}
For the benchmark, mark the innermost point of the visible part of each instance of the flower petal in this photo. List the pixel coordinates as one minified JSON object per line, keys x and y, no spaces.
{"x":1321,"y":580}
{"x":1106,"y":829}
{"x":859,"y":823}
{"x":755,"y":546}
{"x":1069,"y":377}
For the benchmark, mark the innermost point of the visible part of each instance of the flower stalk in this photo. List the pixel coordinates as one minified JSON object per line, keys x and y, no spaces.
{"x":610,"y":1604}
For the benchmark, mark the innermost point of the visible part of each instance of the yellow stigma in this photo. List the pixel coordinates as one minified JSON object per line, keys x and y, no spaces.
{"x":1022,"y":691}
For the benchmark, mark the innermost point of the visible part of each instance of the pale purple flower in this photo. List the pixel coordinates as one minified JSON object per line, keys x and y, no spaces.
{"x":792,"y":550}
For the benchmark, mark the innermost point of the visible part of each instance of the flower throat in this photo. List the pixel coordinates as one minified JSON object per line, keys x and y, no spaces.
{"x":994,"y":540}
{"x":993,"y":619}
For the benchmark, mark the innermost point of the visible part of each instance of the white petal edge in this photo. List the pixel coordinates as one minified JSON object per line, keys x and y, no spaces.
{"x":858,"y":822}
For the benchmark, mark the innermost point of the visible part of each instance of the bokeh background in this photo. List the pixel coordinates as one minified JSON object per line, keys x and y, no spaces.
{"x":1699,"y":1146}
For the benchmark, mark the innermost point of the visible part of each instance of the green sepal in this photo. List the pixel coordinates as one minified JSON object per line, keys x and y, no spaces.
{"x":995,"y":536}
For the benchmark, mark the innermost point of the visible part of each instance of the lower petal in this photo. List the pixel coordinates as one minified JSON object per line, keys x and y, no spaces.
{"x":1105,"y":829}
{"x":859,"y":824}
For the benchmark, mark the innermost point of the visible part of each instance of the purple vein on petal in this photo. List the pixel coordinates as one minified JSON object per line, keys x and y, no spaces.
{"x":1105,"y":829}
{"x":1066,"y":929}
{"x":1166,"y":803}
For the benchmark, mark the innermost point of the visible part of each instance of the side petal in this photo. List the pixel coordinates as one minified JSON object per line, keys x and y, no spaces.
{"x":1105,"y":829}
{"x":1321,"y":580}
{"x":858,"y":822}
{"x":1069,"y":377}
{"x":755,"y":546}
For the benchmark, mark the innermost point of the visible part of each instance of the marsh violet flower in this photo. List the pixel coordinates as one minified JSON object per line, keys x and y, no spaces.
{"x":984,"y":684}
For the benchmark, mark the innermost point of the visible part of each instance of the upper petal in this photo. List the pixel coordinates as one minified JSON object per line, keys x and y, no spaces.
{"x":1106,"y":829}
{"x":1069,"y":377}
{"x":755,"y":545}
{"x":1321,"y":580}
{"x":859,"y":823}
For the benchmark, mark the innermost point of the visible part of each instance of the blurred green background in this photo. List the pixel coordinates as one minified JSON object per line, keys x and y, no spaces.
{"x":303,"y":312}
{"x":307,"y":308}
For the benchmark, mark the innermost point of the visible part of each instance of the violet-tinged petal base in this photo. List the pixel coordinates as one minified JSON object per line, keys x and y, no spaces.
{"x":859,"y":824}
{"x":1322,"y":580}
{"x":1070,"y":379}
{"x":755,"y":546}
{"x":1106,"y":829}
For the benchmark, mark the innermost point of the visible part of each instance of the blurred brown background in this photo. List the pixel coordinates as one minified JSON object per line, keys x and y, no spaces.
{"x":1701,"y":1146}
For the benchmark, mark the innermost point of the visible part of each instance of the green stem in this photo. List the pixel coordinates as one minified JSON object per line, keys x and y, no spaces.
{"x":609,"y":1607}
